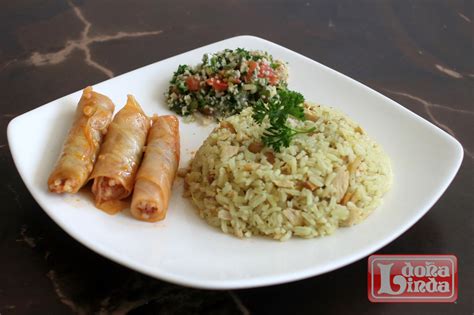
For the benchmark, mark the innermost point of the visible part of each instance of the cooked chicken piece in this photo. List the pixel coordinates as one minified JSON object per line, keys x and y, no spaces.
{"x":229,"y":151}
{"x":340,"y":183}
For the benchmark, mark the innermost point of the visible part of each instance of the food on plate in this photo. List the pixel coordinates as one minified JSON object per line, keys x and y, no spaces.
{"x":333,"y":176}
{"x":225,"y":83}
{"x":119,"y":157}
{"x":93,"y":116}
{"x":157,"y":172}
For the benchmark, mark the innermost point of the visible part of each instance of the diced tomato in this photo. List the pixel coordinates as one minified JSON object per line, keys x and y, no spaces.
{"x":251,"y":68}
{"x":217,"y":84}
{"x":273,"y":79}
{"x":262,"y":73}
{"x":192,"y":84}
{"x":220,"y":85}
{"x":267,"y":72}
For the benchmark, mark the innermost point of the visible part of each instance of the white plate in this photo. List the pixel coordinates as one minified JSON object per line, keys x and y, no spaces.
{"x":183,"y":249}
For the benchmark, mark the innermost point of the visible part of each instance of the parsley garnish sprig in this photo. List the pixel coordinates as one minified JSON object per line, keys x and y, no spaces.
{"x":278,"y":109}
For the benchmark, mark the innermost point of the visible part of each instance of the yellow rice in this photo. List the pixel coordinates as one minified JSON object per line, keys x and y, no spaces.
{"x":331,"y":178}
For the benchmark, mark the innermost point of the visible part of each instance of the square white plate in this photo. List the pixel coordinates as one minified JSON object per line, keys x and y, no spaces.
{"x":183,"y":249}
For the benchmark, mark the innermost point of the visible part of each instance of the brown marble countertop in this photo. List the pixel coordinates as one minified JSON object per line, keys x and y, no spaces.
{"x":419,"y":53}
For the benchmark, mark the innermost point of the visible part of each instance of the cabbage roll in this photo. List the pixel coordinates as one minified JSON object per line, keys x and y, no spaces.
{"x":120,"y":156}
{"x":93,"y":116}
{"x":156,"y":174}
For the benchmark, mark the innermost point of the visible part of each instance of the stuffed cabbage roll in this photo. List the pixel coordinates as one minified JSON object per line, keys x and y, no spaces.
{"x":156,"y":174}
{"x":120,"y":156}
{"x":93,"y":116}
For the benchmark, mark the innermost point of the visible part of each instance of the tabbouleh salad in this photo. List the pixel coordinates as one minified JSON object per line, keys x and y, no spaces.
{"x":226,"y":82}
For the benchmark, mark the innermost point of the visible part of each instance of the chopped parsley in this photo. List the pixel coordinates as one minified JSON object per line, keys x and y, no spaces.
{"x":278,"y":109}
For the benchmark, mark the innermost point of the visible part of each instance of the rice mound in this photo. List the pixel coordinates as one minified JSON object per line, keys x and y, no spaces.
{"x":335,"y":176}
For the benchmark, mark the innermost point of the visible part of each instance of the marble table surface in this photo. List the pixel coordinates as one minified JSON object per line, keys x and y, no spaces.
{"x":419,"y":53}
